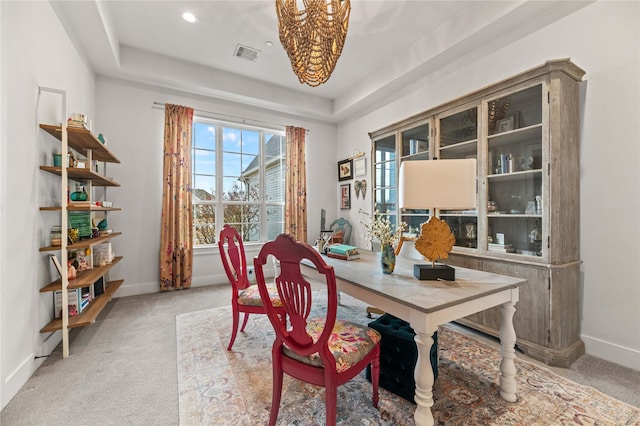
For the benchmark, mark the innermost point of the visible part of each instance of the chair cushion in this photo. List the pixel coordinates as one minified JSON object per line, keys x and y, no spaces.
{"x":349,"y":343}
{"x":250,"y":296}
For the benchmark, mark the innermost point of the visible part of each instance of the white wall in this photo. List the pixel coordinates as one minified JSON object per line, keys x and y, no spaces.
{"x":134,"y":132}
{"x":35,"y":52}
{"x":603,"y":39}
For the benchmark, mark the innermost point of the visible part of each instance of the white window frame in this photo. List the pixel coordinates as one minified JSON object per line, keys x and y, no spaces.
{"x":219,"y":203}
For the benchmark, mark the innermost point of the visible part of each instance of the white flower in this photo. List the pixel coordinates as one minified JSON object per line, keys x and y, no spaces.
{"x":380,"y":229}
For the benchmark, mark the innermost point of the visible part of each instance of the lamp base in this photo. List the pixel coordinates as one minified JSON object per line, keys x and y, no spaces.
{"x":439,"y":272}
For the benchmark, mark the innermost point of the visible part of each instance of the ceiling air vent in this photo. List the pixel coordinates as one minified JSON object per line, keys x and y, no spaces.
{"x":246,"y":52}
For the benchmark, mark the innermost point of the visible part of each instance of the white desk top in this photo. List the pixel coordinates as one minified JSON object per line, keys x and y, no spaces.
{"x":421,"y":295}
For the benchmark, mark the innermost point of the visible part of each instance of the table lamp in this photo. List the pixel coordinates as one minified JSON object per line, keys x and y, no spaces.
{"x":437,"y":184}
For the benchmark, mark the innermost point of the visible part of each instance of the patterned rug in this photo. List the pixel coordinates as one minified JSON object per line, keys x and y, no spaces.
{"x":220,"y":387}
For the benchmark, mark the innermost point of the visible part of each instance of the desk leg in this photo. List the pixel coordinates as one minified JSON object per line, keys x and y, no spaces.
{"x":424,"y":380}
{"x":507,"y":342}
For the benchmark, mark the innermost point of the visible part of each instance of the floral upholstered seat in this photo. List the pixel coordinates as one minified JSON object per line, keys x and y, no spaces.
{"x":349,"y":343}
{"x":250,"y":296}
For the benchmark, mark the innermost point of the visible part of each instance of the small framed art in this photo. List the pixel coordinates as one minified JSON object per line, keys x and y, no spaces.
{"x":345,"y":196}
{"x":359,"y":166}
{"x":507,"y":124}
{"x":345,"y":169}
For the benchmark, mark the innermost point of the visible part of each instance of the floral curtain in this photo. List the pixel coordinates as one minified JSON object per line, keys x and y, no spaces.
{"x":295,"y":217}
{"x":176,"y":239}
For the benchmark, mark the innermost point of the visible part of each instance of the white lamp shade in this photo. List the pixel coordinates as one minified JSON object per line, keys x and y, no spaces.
{"x":441,"y":184}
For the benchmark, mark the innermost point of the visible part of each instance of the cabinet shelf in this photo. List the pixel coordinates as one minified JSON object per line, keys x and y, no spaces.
{"x":81,"y":174}
{"x":90,"y":313}
{"x":83,"y":141}
{"x":536,"y":216}
{"x":516,"y":136}
{"x":84,"y":278}
{"x":514,"y":175}
{"x":82,"y":208}
{"x":84,"y":243}
{"x":458,"y":149}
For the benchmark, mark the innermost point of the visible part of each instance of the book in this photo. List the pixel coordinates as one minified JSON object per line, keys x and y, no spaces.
{"x":73,"y":302}
{"x":102,"y":254}
{"x":344,"y":256}
{"x":343,"y":249}
{"x":501,"y":248}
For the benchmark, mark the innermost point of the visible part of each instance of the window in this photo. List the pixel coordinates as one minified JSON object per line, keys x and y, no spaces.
{"x":238,"y":175}
{"x":384,"y":180}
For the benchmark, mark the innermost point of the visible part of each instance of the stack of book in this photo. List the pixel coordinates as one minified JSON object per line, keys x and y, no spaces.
{"x":77,"y":124}
{"x":343,"y":251}
{"x":501,"y":248}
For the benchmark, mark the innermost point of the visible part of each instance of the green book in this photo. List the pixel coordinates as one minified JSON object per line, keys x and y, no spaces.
{"x":343,"y":249}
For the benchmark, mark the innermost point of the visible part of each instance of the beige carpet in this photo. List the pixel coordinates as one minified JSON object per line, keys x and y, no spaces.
{"x":234,"y":388}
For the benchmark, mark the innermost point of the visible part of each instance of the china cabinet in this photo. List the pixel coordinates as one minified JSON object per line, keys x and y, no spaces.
{"x":92,"y":281}
{"x":524,"y":133}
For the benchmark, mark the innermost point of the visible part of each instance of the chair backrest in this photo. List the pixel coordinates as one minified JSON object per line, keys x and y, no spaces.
{"x":296,"y":294}
{"x":233,"y":257}
{"x":343,"y":225}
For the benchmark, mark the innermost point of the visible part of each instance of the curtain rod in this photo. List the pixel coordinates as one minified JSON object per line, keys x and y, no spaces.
{"x":217,"y":114}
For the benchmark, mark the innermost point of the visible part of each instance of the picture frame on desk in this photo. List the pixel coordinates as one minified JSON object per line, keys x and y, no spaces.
{"x":345,"y":170}
{"x":345,"y":196}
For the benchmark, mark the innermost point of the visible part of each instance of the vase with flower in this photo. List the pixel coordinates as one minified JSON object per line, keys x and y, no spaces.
{"x":381,"y":229}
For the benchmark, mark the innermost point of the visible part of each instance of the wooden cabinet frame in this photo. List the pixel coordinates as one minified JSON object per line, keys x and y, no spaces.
{"x":547,"y":316}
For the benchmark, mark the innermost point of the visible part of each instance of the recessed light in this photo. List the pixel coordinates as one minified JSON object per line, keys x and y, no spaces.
{"x":268,"y":43}
{"x":189,"y":17}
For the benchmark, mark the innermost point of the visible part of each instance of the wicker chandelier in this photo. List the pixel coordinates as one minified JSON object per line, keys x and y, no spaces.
{"x":313,"y":36}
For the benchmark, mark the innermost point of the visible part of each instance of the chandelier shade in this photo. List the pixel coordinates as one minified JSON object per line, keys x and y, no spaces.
{"x":313,"y":37}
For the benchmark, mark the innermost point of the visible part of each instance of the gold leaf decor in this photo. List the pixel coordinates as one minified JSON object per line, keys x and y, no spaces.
{"x":435,"y":240}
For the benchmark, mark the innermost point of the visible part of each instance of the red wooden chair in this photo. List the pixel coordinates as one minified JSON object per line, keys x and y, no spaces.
{"x":323,"y":351}
{"x":244,"y":297}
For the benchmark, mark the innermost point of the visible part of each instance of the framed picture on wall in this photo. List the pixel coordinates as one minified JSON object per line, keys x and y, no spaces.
{"x":345,"y":196}
{"x":345,"y":170}
{"x":359,"y":166}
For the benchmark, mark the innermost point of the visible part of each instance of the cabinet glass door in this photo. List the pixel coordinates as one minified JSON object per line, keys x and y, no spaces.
{"x":459,"y":140}
{"x":415,"y":146}
{"x":514,"y":173}
{"x":385,"y":177}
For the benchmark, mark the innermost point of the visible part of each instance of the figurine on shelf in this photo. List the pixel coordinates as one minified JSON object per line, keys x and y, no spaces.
{"x":72,"y":159}
{"x":71,"y":271}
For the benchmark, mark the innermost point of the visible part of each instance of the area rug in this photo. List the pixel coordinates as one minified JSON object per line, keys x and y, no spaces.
{"x":220,"y":387}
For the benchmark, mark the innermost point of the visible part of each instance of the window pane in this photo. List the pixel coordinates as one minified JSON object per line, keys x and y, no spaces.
{"x":204,"y":224}
{"x":386,"y":174}
{"x":231,"y":164}
{"x":275,"y":221}
{"x":385,"y":149}
{"x":274,"y":167}
{"x":247,"y":219}
{"x":231,"y":139}
{"x":203,"y":162}
{"x":250,"y":142}
{"x":204,"y":187}
{"x":234,"y":190}
{"x":385,"y":200}
{"x":204,"y":136}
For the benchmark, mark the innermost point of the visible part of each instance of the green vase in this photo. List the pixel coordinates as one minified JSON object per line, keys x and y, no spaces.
{"x":388,"y":258}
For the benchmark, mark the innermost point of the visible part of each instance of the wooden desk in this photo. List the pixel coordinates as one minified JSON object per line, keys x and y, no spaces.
{"x":427,"y":304}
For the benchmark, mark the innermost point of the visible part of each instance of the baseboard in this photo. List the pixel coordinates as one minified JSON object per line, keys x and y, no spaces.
{"x":23,"y":372}
{"x":621,"y":355}
{"x":128,"y":289}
